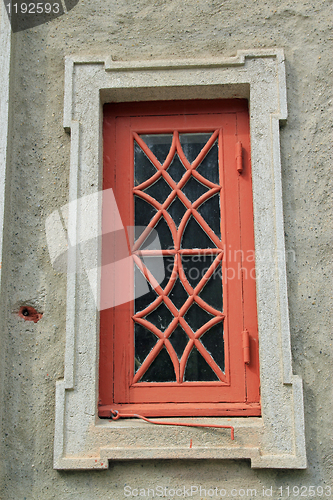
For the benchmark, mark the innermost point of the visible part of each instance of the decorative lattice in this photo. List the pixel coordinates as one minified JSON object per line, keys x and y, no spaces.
{"x":179,"y":333}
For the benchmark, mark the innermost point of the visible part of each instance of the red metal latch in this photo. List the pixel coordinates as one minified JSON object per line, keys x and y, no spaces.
{"x":239,"y":157}
{"x":246,"y":346}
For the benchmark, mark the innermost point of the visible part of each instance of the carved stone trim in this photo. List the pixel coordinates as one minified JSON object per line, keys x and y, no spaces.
{"x":275,"y":440}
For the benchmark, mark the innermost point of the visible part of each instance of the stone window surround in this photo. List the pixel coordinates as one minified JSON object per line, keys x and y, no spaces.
{"x":274,"y":440}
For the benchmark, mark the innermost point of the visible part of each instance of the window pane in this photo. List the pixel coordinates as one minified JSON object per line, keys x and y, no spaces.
{"x":177,"y":211}
{"x":159,"y":145}
{"x":179,"y":341}
{"x":164,"y":239}
{"x":143,"y":168}
{"x":144,"y":342}
{"x":192,"y":144}
{"x":141,"y":284}
{"x":209,"y":167}
{"x":178,"y":294}
{"x":153,"y":264}
{"x":195,"y":237}
{"x":143,"y":213}
{"x":193,"y":189}
{"x":210,"y":211}
{"x":176,"y":169}
{"x":196,"y":317}
{"x":213,"y":341}
{"x":161,"y":317}
{"x":161,"y":369}
{"x":160,"y":190}
{"x":164,"y":234}
{"x":196,"y":266}
{"x":212,"y":292}
{"x":197,"y":369}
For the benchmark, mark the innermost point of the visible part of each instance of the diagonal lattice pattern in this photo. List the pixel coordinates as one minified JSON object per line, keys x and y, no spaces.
{"x":180,"y":200}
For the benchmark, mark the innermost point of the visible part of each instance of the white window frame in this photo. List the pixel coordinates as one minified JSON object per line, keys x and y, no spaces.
{"x":274,"y":440}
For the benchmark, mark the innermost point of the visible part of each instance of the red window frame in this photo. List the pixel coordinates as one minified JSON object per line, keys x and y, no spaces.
{"x":238,"y":394}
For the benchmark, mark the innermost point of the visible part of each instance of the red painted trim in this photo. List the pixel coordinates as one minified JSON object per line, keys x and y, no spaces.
{"x":181,"y":409}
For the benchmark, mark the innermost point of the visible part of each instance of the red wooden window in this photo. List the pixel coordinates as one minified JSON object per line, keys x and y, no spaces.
{"x":190,"y":345}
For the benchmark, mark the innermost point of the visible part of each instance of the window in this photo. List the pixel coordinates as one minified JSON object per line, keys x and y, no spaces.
{"x":274,"y":439}
{"x":178,"y":350}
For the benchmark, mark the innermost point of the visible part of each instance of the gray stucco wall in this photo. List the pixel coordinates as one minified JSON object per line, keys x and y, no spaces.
{"x":32,"y":355}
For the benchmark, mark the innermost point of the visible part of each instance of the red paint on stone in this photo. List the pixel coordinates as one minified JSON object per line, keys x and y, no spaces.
{"x":29,"y":314}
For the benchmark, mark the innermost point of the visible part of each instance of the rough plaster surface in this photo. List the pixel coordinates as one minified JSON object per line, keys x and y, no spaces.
{"x":37,"y":184}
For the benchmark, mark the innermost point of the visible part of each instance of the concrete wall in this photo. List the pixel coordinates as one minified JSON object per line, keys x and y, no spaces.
{"x":32,"y":355}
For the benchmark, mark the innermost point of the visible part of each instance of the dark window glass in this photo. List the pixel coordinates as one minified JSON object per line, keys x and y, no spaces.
{"x":143,"y":167}
{"x":160,"y":190}
{"x":176,"y":169}
{"x":197,"y":369}
{"x":153,"y":264}
{"x":161,"y":369}
{"x":144,"y":342}
{"x":177,"y":211}
{"x":209,"y":167}
{"x":143,"y":213}
{"x":212,"y":292}
{"x":192,"y":144}
{"x":159,"y":145}
{"x":210,"y":211}
{"x":164,"y":239}
{"x":164,"y":234}
{"x":178,"y":294}
{"x":195,"y":237}
{"x":213,"y":341}
{"x":141,"y":284}
{"x":196,"y":317}
{"x":193,"y":189}
{"x":196,"y":266}
{"x":179,"y":341}
{"x":161,"y":317}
